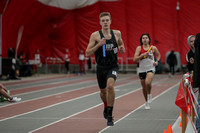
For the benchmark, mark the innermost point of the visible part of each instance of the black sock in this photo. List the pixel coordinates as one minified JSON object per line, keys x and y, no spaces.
{"x":106,"y":110}
{"x":110,"y":110}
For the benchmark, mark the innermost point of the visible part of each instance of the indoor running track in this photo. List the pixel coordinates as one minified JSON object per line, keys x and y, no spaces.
{"x":71,"y":104}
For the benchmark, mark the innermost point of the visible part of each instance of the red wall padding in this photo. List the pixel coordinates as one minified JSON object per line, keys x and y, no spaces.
{"x":52,"y":30}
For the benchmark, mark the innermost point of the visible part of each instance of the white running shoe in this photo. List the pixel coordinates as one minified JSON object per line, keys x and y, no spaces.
{"x":147,"y":106}
{"x":15,"y":99}
{"x":149,"y":98}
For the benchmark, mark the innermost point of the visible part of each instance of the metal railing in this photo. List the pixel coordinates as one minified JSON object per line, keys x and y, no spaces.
{"x":53,"y":65}
{"x":130,"y":66}
{"x":56,"y":65}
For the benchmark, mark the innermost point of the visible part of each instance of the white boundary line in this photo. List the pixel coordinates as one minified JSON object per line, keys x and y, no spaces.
{"x":51,"y":88}
{"x":48,"y":95}
{"x":43,"y":83}
{"x":140,"y":106}
{"x":32,"y":80}
{"x":48,"y":106}
{"x":85,"y":109}
{"x":61,"y":102}
{"x":93,"y":106}
{"x":80,"y":88}
{"x":53,"y":94}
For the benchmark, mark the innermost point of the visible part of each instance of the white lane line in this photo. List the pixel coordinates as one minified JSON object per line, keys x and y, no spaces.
{"x":93,"y":106}
{"x":48,"y":106}
{"x":31,"y":81}
{"x":85,"y":109}
{"x":44,"y":83}
{"x":61,"y":102}
{"x":51,"y":88}
{"x":131,"y":119}
{"x":77,"y":89}
{"x":141,"y":106}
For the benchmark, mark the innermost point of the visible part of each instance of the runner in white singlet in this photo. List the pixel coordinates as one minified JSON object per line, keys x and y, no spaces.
{"x":146,"y":64}
{"x":144,"y":54}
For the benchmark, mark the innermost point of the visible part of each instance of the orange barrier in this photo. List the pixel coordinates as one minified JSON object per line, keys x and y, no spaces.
{"x":165,"y":131}
{"x":169,"y":130}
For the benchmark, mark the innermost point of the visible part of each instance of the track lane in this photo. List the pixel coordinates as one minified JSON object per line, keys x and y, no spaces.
{"x":38,"y":79}
{"x":24,"y":107}
{"x":48,"y":91}
{"x":49,"y":86}
{"x":92,"y":121}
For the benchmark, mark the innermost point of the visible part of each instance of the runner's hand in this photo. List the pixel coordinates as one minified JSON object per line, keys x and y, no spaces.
{"x":102,"y":42}
{"x":122,"y":49}
{"x":155,"y":63}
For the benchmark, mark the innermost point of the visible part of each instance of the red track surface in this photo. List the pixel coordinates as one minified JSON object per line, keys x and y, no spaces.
{"x":88,"y":121}
{"x":27,"y":106}
{"x":92,"y":120}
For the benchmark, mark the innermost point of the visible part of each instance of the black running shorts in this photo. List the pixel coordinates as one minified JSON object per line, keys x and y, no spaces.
{"x":144,"y":74}
{"x":104,"y":74}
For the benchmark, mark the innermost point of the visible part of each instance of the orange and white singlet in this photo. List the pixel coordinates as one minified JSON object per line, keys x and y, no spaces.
{"x":146,"y":64}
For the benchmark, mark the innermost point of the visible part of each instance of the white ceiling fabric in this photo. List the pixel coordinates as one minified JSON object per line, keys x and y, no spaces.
{"x":70,"y":4}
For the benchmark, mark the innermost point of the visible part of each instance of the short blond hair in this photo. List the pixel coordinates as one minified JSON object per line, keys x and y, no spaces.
{"x":104,"y":14}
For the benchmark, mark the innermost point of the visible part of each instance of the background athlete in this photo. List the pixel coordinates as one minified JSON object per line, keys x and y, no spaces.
{"x":147,"y":65}
{"x":107,"y":66}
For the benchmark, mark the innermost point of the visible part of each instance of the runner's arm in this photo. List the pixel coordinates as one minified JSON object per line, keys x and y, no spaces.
{"x":91,"y":48}
{"x":138,"y":56}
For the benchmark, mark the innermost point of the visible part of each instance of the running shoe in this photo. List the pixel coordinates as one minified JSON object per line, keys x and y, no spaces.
{"x":110,"y":121}
{"x":105,"y":113}
{"x":147,"y":106}
{"x":15,"y":99}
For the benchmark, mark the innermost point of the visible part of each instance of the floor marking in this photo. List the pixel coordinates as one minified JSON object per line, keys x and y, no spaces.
{"x":87,"y":118}
{"x":62,"y":102}
{"x":141,"y":106}
{"x":83,"y":110}
{"x":93,"y":106}
{"x":49,"y":95}
{"x":34,"y":80}
{"x":77,"y":89}
{"x":48,"y":106}
{"x":51,"y":88}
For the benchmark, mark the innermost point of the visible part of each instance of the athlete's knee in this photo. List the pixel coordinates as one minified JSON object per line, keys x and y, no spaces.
{"x":110,"y":87}
{"x":148,"y":84}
